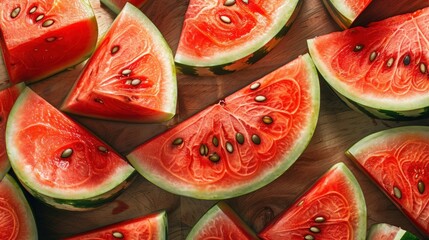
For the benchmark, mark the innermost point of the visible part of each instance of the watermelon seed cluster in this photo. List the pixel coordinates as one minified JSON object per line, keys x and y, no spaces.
{"x":406,"y":61}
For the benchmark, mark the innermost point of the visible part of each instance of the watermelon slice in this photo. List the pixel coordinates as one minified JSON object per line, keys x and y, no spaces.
{"x":345,"y":12}
{"x":381,"y":70}
{"x":128,"y":78}
{"x":220,"y":37}
{"x":397,"y":160}
{"x":240,"y":144}
{"x":333,"y":208}
{"x":39,"y":39}
{"x":150,"y":227}
{"x":7,"y":99}
{"x":221,"y":222}
{"x":117,"y":5}
{"x":384,"y":231}
{"x":16,"y":217}
{"x":60,"y":162}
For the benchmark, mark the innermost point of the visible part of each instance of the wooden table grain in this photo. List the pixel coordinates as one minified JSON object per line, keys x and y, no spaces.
{"x":337,"y":129}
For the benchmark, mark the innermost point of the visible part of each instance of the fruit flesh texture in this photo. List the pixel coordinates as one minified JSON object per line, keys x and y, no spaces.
{"x":396,"y":161}
{"x":221,"y":222}
{"x":376,"y":83}
{"x":36,"y":146}
{"x":38,"y":44}
{"x":16,"y":218}
{"x":7,"y":99}
{"x":104,"y":91}
{"x":150,"y":227}
{"x":207,"y":40}
{"x":292,"y":102}
{"x":337,"y":198}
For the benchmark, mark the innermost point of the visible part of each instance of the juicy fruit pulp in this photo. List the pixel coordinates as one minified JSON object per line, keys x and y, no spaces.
{"x":384,"y":231}
{"x":219,"y":37}
{"x":16,"y":217}
{"x":128,"y":78}
{"x":345,"y":12}
{"x":59,"y":161}
{"x":397,"y":160}
{"x":381,"y":69}
{"x":151,"y":227}
{"x":221,"y":222}
{"x":333,"y":208}
{"x":38,"y":39}
{"x":7,"y":99}
{"x":117,"y":5}
{"x":240,"y":144}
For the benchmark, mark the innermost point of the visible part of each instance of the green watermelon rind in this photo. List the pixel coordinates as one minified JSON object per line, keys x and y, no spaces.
{"x":301,"y":144}
{"x":371,"y":139}
{"x":247,"y":56}
{"x":109,"y":4}
{"x":385,"y":114}
{"x":359,"y":198}
{"x":5,"y":166}
{"x":84,"y":200}
{"x":19,"y":194}
{"x":342,"y":15}
{"x":218,"y":208}
{"x":377,"y":108}
{"x":379,"y":229}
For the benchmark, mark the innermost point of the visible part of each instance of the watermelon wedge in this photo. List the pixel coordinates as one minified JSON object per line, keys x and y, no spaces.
{"x":7,"y":99}
{"x":381,"y":70}
{"x":16,"y":218}
{"x":333,"y":208}
{"x":221,"y":222}
{"x":220,"y":37}
{"x":39,"y":39}
{"x":60,"y":162}
{"x":384,"y":231}
{"x":130,"y":77}
{"x":397,"y":160}
{"x":345,"y":12}
{"x":241,"y":143}
{"x":117,"y":5}
{"x":149,"y":227}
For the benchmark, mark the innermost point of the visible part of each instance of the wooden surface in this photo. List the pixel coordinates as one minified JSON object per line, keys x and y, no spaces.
{"x":337,"y":129}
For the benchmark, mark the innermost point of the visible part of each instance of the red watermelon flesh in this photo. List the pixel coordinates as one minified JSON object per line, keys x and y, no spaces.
{"x":221,"y":222}
{"x":7,"y":99}
{"x":240,"y":144}
{"x":383,"y":66}
{"x":16,"y":217}
{"x":58,"y":160}
{"x":39,"y":39}
{"x":333,"y":208}
{"x":397,"y":160}
{"x":149,"y":227}
{"x":128,"y":78}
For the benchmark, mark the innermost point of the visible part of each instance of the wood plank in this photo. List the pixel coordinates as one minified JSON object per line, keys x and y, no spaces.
{"x":337,"y":129}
